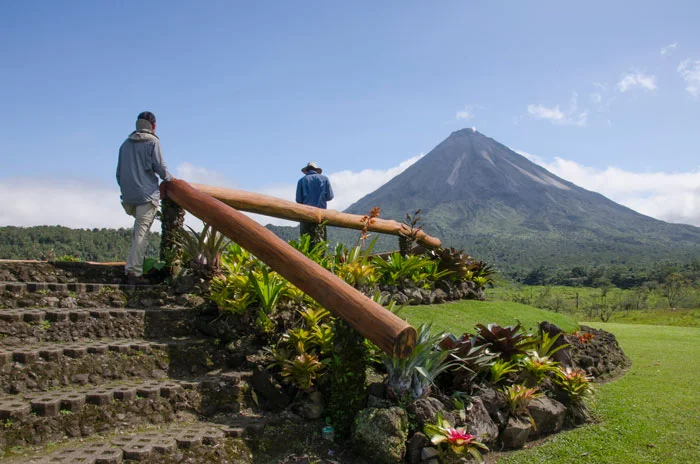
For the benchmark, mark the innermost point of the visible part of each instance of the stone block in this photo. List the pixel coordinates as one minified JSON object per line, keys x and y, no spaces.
{"x":25,"y":356}
{"x":125,"y":394}
{"x":33,"y":317}
{"x":10,"y":316}
{"x":75,"y":351}
{"x":98,"y":348}
{"x":99,"y":397}
{"x":73,"y":402}
{"x":57,"y":315}
{"x":149,"y":391}
{"x":46,"y":406}
{"x":170,"y":390}
{"x":14,"y":409}
{"x":56,"y":287}
{"x":79,"y":316}
{"x":5,"y":358}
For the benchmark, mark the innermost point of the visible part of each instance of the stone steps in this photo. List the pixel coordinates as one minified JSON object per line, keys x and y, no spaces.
{"x":38,"y":418}
{"x":22,"y":326}
{"x":19,"y":326}
{"x":77,"y":287}
{"x":51,"y":365}
{"x":196,"y":442}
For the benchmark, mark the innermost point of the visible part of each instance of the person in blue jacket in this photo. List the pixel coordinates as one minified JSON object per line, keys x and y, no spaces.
{"x":314,"y":189}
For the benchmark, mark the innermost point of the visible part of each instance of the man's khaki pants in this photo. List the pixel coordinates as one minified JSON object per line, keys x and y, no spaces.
{"x":144,"y":214}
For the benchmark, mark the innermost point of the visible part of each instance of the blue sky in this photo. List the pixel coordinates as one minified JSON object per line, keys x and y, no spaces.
{"x":605,"y":94}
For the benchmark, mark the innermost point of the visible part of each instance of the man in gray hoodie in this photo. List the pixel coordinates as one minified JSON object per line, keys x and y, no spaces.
{"x":140,"y":159}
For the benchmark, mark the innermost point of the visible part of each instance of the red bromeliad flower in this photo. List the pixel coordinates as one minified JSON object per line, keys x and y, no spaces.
{"x":459,"y":436}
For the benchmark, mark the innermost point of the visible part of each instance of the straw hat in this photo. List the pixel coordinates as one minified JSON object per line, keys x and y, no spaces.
{"x":311,"y":165}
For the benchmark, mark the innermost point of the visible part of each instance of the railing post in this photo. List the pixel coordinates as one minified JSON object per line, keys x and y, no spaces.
{"x":172,"y":221}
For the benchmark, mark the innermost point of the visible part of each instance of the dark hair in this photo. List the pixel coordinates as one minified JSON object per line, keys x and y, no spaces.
{"x":148,"y":116}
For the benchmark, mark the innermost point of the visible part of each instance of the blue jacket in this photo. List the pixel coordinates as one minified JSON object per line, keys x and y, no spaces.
{"x":314,"y":189}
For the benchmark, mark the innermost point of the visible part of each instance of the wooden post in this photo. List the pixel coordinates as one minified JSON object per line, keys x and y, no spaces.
{"x":283,"y":209}
{"x":390,"y":333}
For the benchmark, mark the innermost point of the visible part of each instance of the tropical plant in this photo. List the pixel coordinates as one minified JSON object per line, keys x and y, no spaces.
{"x":545,"y":344}
{"x":315,"y":252}
{"x":413,"y":376}
{"x":461,"y":265}
{"x":231,"y":293}
{"x":507,"y":341}
{"x":302,"y":370}
{"x":539,"y":366}
{"x":456,"y":440}
{"x":398,"y":266}
{"x":202,"y":250}
{"x":575,"y":383}
{"x":268,"y":287}
{"x":468,"y":356}
{"x":518,"y":398}
{"x":354,"y":265}
{"x":500,"y":369}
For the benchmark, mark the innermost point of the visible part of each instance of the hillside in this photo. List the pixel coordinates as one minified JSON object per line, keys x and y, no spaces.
{"x":50,"y":242}
{"x":479,"y":195}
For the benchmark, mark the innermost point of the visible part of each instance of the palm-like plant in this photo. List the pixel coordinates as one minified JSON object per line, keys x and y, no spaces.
{"x":413,"y":376}
{"x":203,"y":250}
{"x":398,"y":266}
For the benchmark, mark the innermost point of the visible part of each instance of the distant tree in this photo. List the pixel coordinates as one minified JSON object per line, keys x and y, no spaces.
{"x":674,"y":288}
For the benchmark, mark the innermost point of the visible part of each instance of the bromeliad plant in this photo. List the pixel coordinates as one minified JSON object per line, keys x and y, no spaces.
{"x":454,"y":440}
{"x":412,"y":377}
{"x":539,"y":366}
{"x":268,"y":287}
{"x":510,"y":342}
{"x":518,"y":398}
{"x":469,"y":357}
{"x":500,"y":369}
{"x":398,"y":267}
{"x":203,"y":250}
{"x":575,"y":383}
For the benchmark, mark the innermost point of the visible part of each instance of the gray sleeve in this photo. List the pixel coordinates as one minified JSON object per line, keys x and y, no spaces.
{"x":159,"y":165}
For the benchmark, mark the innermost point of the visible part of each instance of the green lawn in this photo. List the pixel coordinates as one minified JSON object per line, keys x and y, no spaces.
{"x":650,"y":415}
{"x":461,"y":316}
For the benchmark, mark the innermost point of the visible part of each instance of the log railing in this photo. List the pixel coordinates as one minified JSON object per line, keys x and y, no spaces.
{"x":389,"y":332}
{"x":284,"y":209}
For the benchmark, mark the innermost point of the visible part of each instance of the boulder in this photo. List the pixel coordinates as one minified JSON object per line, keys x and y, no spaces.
{"x":311,"y":407}
{"x":425,"y":412}
{"x":492,"y":399}
{"x":380,"y":434}
{"x":270,"y":393}
{"x":413,"y":295}
{"x":414,"y":447}
{"x":479,"y":423}
{"x":440,"y":296}
{"x":548,"y":415}
{"x":516,"y":432}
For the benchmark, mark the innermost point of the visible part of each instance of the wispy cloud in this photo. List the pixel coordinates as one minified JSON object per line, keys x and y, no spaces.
{"x":82,"y":204}
{"x":570,"y":117}
{"x":668,"y":49}
{"x":466,"y":114}
{"x":671,"y":197}
{"x":636,"y":80}
{"x":690,"y":72}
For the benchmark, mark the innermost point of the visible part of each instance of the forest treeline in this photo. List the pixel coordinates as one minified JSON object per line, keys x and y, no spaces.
{"x":57,"y":242}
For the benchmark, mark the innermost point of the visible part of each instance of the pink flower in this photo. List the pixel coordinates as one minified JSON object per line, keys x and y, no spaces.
{"x":458,"y":436}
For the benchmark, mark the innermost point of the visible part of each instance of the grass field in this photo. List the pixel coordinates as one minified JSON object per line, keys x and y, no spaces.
{"x":650,"y":415}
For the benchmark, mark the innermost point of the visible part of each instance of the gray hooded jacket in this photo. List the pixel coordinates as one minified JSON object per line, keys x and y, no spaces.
{"x":140,"y":160}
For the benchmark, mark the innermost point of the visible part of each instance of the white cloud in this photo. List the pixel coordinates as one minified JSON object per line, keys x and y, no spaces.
{"x":570,"y":117}
{"x":636,"y":80}
{"x":77,"y":204}
{"x":465,"y":114}
{"x":672,"y":197}
{"x":199,"y":175}
{"x":668,"y":49}
{"x":81,"y":204}
{"x":690,"y":72}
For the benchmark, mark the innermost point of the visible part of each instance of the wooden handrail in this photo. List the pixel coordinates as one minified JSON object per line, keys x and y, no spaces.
{"x":386,"y":330}
{"x":284,"y":209}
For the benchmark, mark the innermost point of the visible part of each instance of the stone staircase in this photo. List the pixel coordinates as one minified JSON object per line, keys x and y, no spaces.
{"x":94,"y":372}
